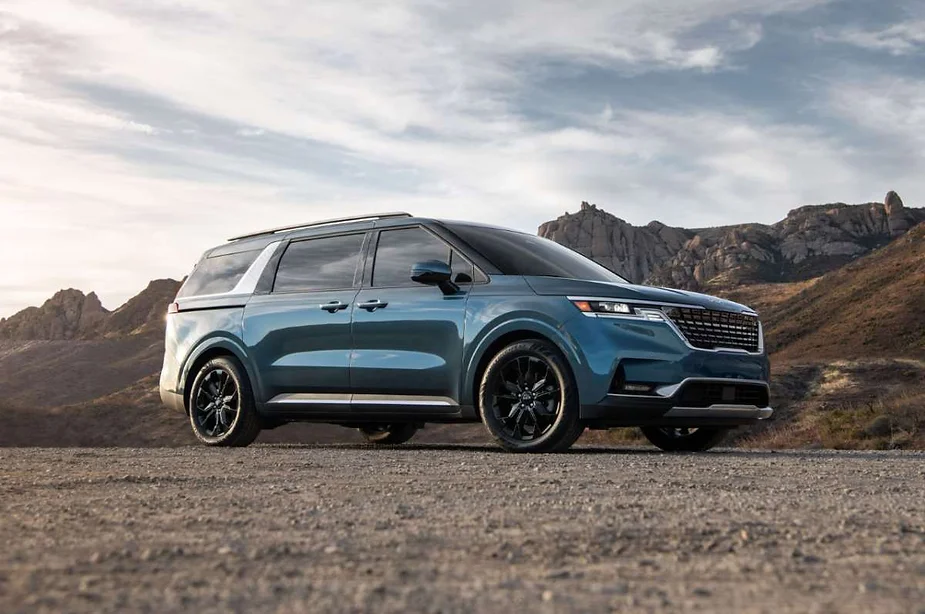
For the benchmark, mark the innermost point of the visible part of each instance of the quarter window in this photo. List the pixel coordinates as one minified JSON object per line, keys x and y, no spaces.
{"x":218,"y":275}
{"x":327,"y":263}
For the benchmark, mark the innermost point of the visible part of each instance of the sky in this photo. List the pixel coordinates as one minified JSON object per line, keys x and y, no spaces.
{"x":135,"y":134}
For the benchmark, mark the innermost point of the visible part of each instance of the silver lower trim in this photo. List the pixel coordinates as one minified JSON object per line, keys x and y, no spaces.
{"x":670,"y":391}
{"x":312,"y":399}
{"x":361,"y":399}
{"x":720,"y":411}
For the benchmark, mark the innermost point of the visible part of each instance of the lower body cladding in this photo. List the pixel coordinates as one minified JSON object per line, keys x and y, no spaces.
{"x":694,"y":402}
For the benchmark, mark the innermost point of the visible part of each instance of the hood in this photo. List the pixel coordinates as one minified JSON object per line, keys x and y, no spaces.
{"x":556,"y":286}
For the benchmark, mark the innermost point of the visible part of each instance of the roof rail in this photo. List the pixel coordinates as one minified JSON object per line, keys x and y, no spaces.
{"x":337,"y":220}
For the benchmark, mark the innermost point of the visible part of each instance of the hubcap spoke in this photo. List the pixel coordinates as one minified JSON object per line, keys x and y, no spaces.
{"x":217,"y":403}
{"x":526,"y":398}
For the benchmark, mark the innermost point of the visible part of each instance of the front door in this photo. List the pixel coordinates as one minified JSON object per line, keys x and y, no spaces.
{"x":408,"y":337}
{"x":300,"y":333}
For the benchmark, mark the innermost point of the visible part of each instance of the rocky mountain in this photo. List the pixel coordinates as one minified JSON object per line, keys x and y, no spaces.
{"x":635,"y":252}
{"x":66,"y":315}
{"x":70,"y":314}
{"x":810,"y":241}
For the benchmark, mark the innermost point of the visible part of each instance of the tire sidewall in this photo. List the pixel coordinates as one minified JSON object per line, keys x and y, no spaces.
{"x":392,"y":434}
{"x":568,"y":399}
{"x":246,"y":404}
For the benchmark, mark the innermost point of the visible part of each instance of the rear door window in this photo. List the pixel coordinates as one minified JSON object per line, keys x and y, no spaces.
{"x":218,"y":275}
{"x":326,"y":263}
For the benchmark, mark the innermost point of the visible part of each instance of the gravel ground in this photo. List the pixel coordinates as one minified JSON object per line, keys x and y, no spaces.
{"x":460,"y":529}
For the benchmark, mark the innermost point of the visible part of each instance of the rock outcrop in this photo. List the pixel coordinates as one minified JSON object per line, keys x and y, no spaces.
{"x":66,"y":315}
{"x":632,"y":251}
{"x":70,"y":314}
{"x":810,"y":241}
{"x":900,"y":219}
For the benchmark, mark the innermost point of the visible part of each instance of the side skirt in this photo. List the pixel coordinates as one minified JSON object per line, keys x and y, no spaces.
{"x":340,"y":408}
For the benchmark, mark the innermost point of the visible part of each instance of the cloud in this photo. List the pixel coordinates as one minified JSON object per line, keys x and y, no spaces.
{"x":143,"y":133}
{"x":249,"y":132}
{"x":903,"y":38}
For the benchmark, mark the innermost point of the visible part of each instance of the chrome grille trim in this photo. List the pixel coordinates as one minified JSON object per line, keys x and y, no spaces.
{"x":707,"y":329}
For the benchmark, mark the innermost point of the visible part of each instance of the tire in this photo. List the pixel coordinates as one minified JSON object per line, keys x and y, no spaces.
{"x":674,"y":440}
{"x":546,"y":398}
{"x":235,"y":422}
{"x":389,"y":434}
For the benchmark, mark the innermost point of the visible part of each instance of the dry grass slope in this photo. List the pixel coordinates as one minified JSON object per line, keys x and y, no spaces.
{"x":873,"y":307}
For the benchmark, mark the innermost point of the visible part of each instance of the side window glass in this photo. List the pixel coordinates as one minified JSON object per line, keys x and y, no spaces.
{"x":327,"y":263}
{"x":399,"y":249}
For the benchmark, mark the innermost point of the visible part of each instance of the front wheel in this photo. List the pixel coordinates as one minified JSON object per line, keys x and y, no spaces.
{"x":684,"y":439}
{"x":389,"y":434}
{"x":528,"y":399}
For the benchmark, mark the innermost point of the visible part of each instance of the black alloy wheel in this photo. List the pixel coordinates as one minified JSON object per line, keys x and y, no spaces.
{"x":388,"y":434}
{"x":222,"y":410}
{"x":528,"y":399}
{"x":684,"y":439}
{"x":217,"y":403}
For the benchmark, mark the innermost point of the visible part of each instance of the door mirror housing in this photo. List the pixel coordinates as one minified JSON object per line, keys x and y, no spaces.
{"x":434,"y":273}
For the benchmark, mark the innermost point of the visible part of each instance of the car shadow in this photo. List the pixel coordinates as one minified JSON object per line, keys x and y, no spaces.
{"x":592,"y":450}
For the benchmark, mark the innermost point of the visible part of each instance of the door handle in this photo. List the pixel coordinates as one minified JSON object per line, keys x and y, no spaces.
{"x":372,"y":306}
{"x":334,"y":306}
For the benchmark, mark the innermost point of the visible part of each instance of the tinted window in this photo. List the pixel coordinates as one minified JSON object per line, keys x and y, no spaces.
{"x":319,"y":264}
{"x":398,"y":250}
{"x":517,"y":253}
{"x":219,"y":274}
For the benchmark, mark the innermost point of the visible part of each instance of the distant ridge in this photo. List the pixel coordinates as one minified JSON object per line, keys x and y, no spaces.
{"x":810,"y":241}
{"x":71,"y":314}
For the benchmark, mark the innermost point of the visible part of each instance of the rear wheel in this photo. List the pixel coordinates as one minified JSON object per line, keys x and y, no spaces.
{"x":389,"y":434}
{"x":528,"y":399}
{"x":222,"y":410}
{"x":684,"y":439}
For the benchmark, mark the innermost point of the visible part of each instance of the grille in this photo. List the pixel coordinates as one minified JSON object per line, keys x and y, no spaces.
{"x":706,"y":394}
{"x":709,"y":330}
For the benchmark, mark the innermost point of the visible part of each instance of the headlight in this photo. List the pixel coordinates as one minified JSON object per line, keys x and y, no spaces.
{"x":646,"y":312}
{"x":603,"y":307}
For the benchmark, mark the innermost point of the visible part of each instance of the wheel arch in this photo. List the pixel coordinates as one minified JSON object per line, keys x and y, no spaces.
{"x":209,"y":350}
{"x":511,"y":332}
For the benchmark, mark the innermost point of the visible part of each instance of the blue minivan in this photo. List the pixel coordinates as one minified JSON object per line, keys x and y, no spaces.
{"x":384,"y":323}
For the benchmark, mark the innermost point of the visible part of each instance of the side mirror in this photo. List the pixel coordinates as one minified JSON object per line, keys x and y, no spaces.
{"x":434,"y":273}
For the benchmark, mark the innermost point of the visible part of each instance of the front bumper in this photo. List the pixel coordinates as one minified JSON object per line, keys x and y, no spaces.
{"x":675,"y":405}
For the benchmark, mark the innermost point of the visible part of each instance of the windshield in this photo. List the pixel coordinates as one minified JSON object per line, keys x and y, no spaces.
{"x":517,"y":253}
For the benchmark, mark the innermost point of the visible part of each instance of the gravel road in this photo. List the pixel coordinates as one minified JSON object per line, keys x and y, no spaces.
{"x":460,"y":529}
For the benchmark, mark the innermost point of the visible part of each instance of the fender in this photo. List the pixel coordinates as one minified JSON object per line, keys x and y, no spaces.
{"x":554,"y":332}
{"x":230,"y":344}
